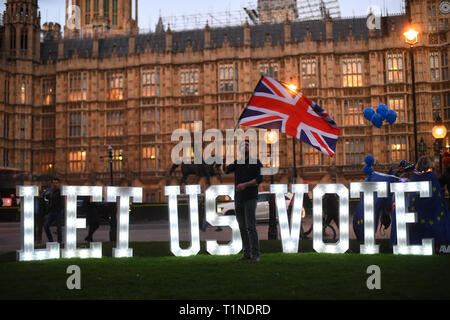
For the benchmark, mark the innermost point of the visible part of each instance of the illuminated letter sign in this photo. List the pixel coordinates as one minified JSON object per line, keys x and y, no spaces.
{"x":28,"y":253}
{"x":211,"y":216}
{"x":289,"y":238}
{"x":369,"y":189}
{"x":289,"y":235}
{"x":403,"y":217}
{"x":172,"y":192}
{"x":343,"y":244}
{"x":73,"y":223}
{"x":123,"y":214}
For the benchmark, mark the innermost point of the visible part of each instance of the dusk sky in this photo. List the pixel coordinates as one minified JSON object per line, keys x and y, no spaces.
{"x":150,"y":10}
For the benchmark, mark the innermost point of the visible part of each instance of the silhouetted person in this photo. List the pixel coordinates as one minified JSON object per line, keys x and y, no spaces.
{"x":93,"y":218}
{"x":55,"y":210}
{"x":247,"y":177}
{"x":42,"y":210}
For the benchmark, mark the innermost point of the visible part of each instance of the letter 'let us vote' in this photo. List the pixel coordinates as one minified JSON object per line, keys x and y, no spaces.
{"x":290,"y":236}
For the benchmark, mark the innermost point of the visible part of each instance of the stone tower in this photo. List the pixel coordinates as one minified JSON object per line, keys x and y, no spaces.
{"x":276,"y":11}
{"x":101,"y":17}
{"x":22,"y":30}
{"x":20,"y":61}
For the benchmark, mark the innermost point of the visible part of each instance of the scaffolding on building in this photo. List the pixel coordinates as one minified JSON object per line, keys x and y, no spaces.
{"x":304,"y":10}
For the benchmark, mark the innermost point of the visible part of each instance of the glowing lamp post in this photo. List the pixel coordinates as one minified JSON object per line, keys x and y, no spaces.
{"x":411,"y":38}
{"x":439,"y":132}
{"x":110,"y":154}
{"x":272,"y":137}
{"x":293,"y":88}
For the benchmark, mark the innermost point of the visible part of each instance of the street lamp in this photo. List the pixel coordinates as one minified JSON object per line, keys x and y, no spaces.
{"x":271,"y":138}
{"x":411,"y":38}
{"x":110,"y":154}
{"x":439,"y":132}
{"x":293,"y":87}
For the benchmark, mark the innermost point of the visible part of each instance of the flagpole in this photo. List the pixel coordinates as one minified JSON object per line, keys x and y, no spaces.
{"x":293,"y":155}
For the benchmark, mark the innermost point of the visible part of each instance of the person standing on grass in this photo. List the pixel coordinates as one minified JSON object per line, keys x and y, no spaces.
{"x":41,"y":212}
{"x":55,"y":210}
{"x":247,"y":177}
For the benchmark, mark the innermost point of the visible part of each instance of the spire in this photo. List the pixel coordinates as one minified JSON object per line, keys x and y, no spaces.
{"x":160,"y":26}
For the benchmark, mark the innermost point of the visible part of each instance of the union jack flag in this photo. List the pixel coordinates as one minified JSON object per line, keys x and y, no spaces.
{"x":274,"y":105}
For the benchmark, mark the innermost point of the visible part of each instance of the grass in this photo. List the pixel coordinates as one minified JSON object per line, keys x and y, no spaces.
{"x":154,"y":273}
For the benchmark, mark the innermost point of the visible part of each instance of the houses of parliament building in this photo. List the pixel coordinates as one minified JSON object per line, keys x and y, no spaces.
{"x":65,"y":98}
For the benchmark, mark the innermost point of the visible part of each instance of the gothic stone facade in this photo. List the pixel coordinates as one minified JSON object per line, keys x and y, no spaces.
{"x":63,"y":101}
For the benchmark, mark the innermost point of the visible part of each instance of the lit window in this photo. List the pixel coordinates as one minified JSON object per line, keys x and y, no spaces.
{"x":352,"y":72}
{"x":188,"y":116}
{"x":150,"y":83}
{"x":77,"y":86}
{"x":398,"y":148}
{"x":47,"y":161}
{"x":311,"y":156}
{"x":77,"y":161}
{"x":117,"y":156}
{"x":150,"y":156}
{"x":48,"y":92}
{"x":309,"y":73}
{"x":22,"y":92}
{"x":398,"y":104}
{"x":115,"y":86}
{"x":395,"y":67}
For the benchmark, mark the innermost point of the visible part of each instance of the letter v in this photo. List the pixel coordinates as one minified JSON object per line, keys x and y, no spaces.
{"x":289,"y":236}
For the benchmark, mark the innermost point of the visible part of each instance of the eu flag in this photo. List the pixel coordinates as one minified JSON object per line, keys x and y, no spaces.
{"x":433,"y":220}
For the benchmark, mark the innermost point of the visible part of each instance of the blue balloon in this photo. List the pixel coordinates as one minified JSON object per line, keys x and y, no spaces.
{"x":377,"y":120}
{"x":370,"y":160}
{"x":382,"y":109}
{"x":368,"y":170}
{"x":368,"y":113}
{"x":391,"y":116}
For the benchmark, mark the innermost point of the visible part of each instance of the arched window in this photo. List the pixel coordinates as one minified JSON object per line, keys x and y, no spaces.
{"x":13,"y":39}
{"x":24,"y":39}
{"x":22,"y":92}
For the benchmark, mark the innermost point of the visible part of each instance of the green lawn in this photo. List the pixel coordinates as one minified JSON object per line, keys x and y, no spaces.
{"x":154,"y":273}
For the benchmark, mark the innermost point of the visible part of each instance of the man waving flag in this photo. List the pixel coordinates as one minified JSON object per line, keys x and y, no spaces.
{"x":275,"y":105}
